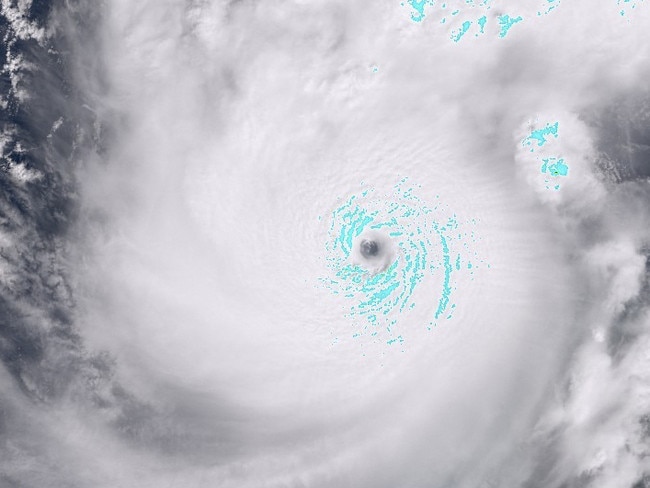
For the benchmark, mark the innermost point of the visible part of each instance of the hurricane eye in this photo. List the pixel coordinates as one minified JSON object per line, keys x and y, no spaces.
{"x":369,"y":248}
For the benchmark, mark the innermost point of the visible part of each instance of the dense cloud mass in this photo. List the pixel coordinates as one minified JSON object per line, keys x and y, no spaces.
{"x":178,"y":188}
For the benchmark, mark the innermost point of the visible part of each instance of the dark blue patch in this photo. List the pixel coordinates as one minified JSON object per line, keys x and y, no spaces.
{"x":39,"y":11}
{"x":37,"y":213}
{"x":22,"y":345}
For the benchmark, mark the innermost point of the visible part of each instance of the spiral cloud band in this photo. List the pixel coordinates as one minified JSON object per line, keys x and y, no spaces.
{"x":383,"y":248}
{"x":325,"y":244}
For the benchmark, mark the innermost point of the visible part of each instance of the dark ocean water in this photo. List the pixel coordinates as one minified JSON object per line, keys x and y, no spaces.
{"x":37,"y":214}
{"x":47,"y":131}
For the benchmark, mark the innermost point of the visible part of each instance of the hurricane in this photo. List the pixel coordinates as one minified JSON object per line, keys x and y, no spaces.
{"x":399,"y":244}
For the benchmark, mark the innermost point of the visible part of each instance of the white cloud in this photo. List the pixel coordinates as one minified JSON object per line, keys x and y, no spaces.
{"x":236,"y":126}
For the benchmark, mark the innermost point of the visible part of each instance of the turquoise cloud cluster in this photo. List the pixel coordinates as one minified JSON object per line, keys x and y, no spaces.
{"x":471,"y":15}
{"x":627,"y":5}
{"x":552,"y":166}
